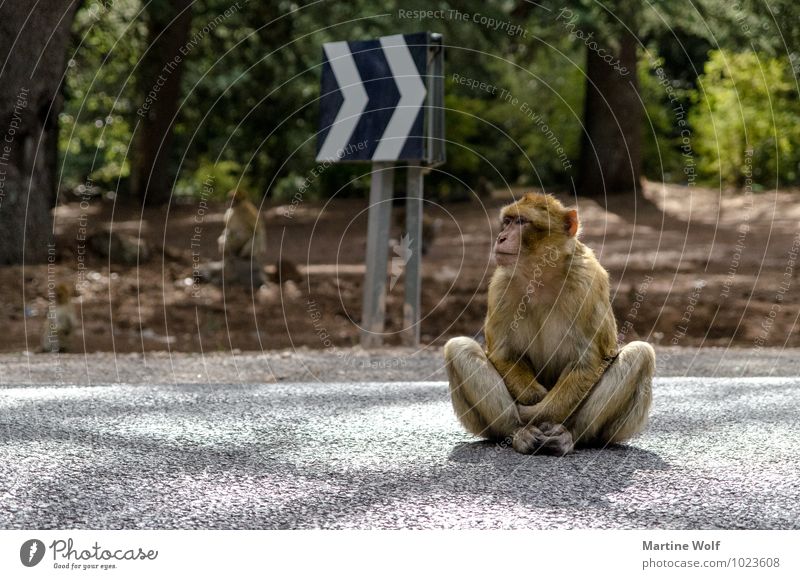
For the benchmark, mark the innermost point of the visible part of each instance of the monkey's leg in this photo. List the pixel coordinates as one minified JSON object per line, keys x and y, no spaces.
{"x":618,"y":405}
{"x":480,"y":398}
{"x":243,"y":271}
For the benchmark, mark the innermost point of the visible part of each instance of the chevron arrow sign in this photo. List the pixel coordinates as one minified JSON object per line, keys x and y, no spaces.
{"x":374,"y":100}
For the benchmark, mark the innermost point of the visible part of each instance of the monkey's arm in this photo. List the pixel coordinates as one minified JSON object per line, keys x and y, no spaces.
{"x":250,"y":243}
{"x":520,"y":379}
{"x":233,"y":243}
{"x":565,"y":397}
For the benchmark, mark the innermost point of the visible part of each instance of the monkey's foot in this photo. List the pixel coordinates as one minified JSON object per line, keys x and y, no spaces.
{"x":547,"y":438}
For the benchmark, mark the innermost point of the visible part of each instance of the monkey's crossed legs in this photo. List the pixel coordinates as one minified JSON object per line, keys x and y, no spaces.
{"x":615,"y":409}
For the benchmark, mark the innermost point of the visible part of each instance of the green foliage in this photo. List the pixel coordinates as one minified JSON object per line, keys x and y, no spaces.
{"x":550,"y":113}
{"x":251,"y":83}
{"x":215,"y":177}
{"x":95,"y":125}
{"x":523,"y":127}
{"x":747,"y":102}
{"x":242,"y":103}
{"x":661,"y":131}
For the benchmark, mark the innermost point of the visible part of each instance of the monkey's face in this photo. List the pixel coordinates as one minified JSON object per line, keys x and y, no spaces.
{"x":238,"y":196}
{"x":507,"y":248}
{"x":62,"y":294}
{"x":535,"y":227}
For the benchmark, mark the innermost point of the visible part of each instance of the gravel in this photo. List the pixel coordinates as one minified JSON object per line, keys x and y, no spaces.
{"x":336,"y":365}
{"x":166,"y":442}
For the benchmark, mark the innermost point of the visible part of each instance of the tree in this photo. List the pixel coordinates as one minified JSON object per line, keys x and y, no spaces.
{"x":33,"y":43}
{"x":611,"y":147}
{"x":612,"y":31}
{"x":168,"y":25}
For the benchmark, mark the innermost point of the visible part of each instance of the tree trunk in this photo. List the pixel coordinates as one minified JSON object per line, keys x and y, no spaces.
{"x":33,"y":43}
{"x":169,"y":24}
{"x":611,"y":148}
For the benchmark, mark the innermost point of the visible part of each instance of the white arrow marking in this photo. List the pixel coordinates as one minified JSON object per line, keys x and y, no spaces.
{"x":353,"y":104}
{"x":412,"y":95}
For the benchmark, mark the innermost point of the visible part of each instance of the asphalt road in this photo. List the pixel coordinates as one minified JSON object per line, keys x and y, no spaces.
{"x":719,"y":453}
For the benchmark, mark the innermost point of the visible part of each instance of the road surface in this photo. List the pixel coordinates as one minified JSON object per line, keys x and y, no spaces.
{"x":720,"y":452}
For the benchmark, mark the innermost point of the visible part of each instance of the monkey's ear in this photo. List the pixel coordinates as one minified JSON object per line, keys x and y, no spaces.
{"x":571,"y":223}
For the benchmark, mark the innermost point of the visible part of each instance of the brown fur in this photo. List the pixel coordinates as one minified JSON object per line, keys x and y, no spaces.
{"x":245,"y":236}
{"x":550,"y":339}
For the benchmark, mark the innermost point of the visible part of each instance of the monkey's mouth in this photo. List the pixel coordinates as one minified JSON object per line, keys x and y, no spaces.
{"x":505,"y":258}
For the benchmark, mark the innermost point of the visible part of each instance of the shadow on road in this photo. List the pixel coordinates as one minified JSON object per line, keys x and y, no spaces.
{"x":587,"y":473}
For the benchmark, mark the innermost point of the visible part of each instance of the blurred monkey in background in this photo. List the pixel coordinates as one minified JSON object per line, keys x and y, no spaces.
{"x":61,"y":321}
{"x":244,"y":235}
{"x":243,"y":243}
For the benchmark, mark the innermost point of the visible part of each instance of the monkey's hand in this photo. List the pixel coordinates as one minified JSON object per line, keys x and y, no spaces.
{"x":547,"y":438}
{"x":563,"y":399}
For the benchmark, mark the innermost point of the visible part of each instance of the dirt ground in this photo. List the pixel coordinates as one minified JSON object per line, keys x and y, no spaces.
{"x":689,"y":267}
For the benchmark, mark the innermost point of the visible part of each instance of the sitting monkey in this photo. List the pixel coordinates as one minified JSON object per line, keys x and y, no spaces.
{"x":243,"y":243}
{"x":551,"y":376}
{"x":61,"y":321}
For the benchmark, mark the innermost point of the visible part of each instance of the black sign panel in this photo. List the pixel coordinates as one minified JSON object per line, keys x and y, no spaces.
{"x":374,"y":98}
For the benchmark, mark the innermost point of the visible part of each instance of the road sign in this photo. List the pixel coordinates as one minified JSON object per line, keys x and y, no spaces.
{"x":376,"y":97}
{"x":382,"y":101}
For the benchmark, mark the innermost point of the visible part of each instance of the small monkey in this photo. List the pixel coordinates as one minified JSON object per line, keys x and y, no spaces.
{"x":243,"y":243}
{"x":551,"y":376}
{"x":244,"y":235}
{"x":61,"y":321}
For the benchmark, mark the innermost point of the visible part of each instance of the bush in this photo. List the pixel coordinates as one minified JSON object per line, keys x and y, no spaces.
{"x":215,"y":179}
{"x":747,"y":102}
{"x":661,"y":154}
{"x":523,"y":131}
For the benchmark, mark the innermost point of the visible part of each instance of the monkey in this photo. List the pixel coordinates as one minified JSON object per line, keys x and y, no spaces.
{"x":243,"y":243}
{"x":551,"y":377}
{"x":244,"y":235}
{"x":61,"y":321}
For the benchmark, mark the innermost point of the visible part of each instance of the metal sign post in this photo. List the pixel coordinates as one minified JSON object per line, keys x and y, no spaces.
{"x":413,"y":287}
{"x":379,"y":221}
{"x":383,"y":101}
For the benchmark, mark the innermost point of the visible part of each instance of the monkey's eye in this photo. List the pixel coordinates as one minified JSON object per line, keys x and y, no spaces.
{"x":516,"y":220}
